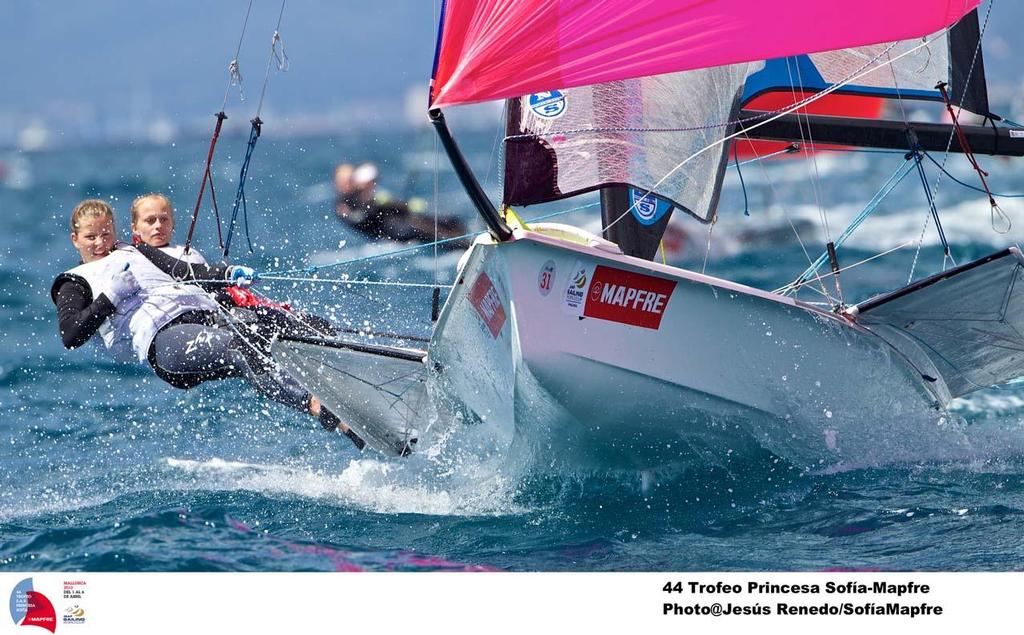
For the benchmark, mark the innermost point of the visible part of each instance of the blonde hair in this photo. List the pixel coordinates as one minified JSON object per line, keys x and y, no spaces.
{"x":138,"y":201}
{"x":90,"y":208}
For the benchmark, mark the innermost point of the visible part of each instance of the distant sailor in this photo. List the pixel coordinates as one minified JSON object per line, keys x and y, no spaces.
{"x":376,"y":214}
{"x":144,"y":315}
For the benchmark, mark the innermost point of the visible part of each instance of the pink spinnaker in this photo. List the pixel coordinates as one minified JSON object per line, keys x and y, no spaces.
{"x":494,"y":49}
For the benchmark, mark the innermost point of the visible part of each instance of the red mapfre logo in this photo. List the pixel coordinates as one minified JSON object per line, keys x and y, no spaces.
{"x":628,"y":297}
{"x":484,"y":298}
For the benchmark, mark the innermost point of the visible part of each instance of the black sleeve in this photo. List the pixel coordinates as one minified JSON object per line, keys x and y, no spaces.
{"x":77,"y":314}
{"x":180,"y":269}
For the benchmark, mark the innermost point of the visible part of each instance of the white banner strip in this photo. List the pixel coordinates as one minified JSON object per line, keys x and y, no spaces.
{"x":451,"y":603}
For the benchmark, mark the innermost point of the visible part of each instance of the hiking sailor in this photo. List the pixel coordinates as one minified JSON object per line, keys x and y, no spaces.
{"x":144,"y":315}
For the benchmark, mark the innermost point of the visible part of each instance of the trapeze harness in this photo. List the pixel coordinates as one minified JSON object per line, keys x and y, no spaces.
{"x":177,"y":328}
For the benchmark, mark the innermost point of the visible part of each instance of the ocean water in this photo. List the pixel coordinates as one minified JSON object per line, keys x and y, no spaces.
{"x":104,"y":467}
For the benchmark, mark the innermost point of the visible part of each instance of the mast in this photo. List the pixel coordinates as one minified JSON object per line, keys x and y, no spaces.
{"x":495,"y":223}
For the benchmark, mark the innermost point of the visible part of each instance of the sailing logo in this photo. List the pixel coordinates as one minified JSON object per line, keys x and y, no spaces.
{"x":546,"y":278}
{"x":647,"y":208}
{"x":550,"y":105}
{"x":627,"y":297}
{"x":74,"y":614}
{"x":485,"y":299}
{"x":31,"y":608}
{"x":576,"y":290}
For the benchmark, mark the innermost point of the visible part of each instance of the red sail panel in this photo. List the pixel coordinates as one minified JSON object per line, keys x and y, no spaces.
{"x":835,"y":105}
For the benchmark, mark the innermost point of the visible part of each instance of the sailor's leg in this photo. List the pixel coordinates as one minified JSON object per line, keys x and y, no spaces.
{"x":186,"y":355}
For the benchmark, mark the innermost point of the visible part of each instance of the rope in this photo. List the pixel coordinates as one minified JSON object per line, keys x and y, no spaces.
{"x":966,"y":147}
{"x":949,"y":144}
{"x":254,"y":135}
{"x":406,"y":250}
{"x":382,"y":283}
{"x":872,"y":205}
{"x":234,"y":72}
{"x":234,"y":79}
{"x":934,"y":210}
{"x":817,"y":278}
{"x":967,"y":185}
{"x":785,"y":212}
{"x":743,"y":185}
{"x":864,"y":70}
{"x":281,"y":58}
{"x":207,"y":178}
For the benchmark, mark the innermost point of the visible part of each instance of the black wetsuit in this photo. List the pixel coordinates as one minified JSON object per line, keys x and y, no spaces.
{"x":394,"y":221}
{"x":195,"y":347}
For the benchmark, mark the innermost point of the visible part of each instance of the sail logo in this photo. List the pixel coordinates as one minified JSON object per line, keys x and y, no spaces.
{"x":646,"y":207}
{"x":549,"y":105}
{"x":627,"y":297}
{"x":31,"y":608}
{"x":485,"y":299}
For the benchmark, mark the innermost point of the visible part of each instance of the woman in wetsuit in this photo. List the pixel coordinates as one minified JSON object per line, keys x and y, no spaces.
{"x":143,"y":314}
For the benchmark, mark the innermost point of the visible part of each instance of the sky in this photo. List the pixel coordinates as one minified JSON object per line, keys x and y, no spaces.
{"x":99,"y":68}
{"x":81,"y":71}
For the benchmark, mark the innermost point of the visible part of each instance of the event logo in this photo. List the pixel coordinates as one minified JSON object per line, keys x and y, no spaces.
{"x":576,"y":290}
{"x":549,"y":105}
{"x":624,"y":296}
{"x":74,"y":614}
{"x":485,"y":299}
{"x":31,"y":608}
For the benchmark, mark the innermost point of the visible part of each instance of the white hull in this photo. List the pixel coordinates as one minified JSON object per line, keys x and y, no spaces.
{"x":726,"y":366}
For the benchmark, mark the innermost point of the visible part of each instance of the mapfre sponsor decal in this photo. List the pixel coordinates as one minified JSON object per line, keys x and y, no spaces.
{"x":485,"y":299}
{"x":628,"y":297}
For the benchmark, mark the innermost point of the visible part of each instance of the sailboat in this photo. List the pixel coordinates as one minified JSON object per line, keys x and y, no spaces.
{"x":581,"y":344}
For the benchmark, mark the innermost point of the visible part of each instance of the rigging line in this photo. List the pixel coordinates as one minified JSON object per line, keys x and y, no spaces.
{"x":816,"y":181}
{"x":292,"y":316}
{"x":413,"y":248}
{"x":207,"y":178}
{"x":785,"y":212}
{"x":965,"y":146}
{"x":776,"y":115}
{"x":890,"y":184}
{"x":790,"y":149}
{"x":782,"y":290}
{"x":602,"y":130}
{"x":234,"y":72}
{"x":282,"y":58}
{"x":240,"y":201}
{"x":254,"y":135}
{"x":946,"y":255}
{"x":967,"y":185}
{"x":739,"y":172}
{"x":234,"y":78}
{"x":949,"y":141}
{"x":382,"y":283}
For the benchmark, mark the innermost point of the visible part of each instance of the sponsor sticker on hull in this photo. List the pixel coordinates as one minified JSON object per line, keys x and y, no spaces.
{"x":546,"y":278}
{"x":627,"y":297}
{"x":576,"y":288}
{"x":485,"y":299}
